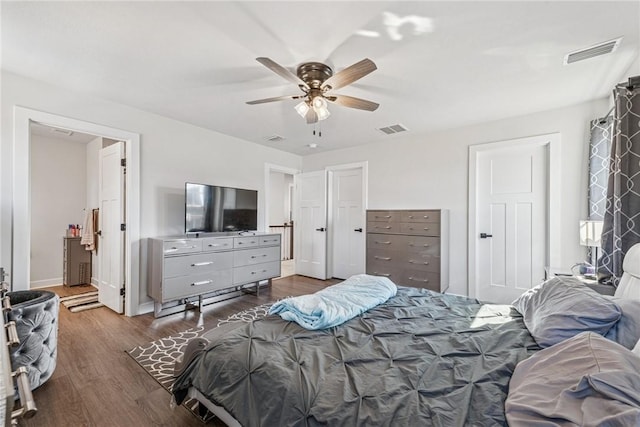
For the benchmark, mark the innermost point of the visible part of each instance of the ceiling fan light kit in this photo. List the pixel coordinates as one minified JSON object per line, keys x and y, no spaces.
{"x":315,"y":80}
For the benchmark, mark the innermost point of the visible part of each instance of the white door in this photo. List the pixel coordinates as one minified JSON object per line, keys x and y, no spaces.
{"x":511,"y":227}
{"x":347,"y":222}
{"x":310,"y":239}
{"x":111,"y":237}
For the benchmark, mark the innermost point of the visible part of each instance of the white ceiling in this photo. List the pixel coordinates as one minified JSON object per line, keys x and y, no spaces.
{"x":57,"y":133}
{"x":451,"y":64}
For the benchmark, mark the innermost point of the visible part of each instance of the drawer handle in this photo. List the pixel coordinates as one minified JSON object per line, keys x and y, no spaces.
{"x":384,"y":228}
{"x":383,"y":258}
{"x":382,"y":243}
{"x":418,"y":280}
{"x":381,"y":274}
{"x":200,"y":264}
{"x":385,"y":216}
{"x":171,"y":250}
{"x":424,"y":246}
{"x":258,"y":256}
{"x":256,"y":272}
{"x":213,"y":245}
{"x":414,"y":262}
{"x":203,"y":282}
{"x":425,"y":229}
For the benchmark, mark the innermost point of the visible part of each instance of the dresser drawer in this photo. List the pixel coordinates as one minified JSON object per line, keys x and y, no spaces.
{"x":246,"y":242}
{"x":419,"y":262}
{"x":269,"y":240}
{"x":383,"y":216}
{"x":256,"y":256}
{"x":382,"y":227}
{"x":217,"y":244}
{"x":255,"y":273}
{"x":186,"y":286}
{"x":420,"y":228}
{"x":420,"y":216}
{"x":384,"y":270}
{"x":198,"y":263}
{"x":385,"y":256}
{"x":423,"y":245}
{"x":182,"y":246}
{"x":422,"y":279}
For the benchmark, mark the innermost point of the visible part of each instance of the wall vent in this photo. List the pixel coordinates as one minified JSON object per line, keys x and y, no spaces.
{"x":590,"y":52}
{"x":62,"y":131}
{"x":390,"y":130}
{"x":274,"y":138}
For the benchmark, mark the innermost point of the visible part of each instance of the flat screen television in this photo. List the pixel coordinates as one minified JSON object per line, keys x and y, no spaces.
{"x":211,"y":209}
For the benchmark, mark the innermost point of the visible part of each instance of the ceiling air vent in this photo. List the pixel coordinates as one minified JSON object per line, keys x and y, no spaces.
{"x":62,"y":131}
{"x":590,"y":52}
{"x":274,"y":138}
{"x":390,"y":130}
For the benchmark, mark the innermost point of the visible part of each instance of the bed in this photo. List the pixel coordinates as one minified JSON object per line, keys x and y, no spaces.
{"x":420,"y":358}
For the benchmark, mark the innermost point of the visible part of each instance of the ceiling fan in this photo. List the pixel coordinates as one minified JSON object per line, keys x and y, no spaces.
{"x":316,"y":80}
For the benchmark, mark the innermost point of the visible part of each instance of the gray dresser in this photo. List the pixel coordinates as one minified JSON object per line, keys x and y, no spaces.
{"x":183,"y":267}
{"x":411,"y":247}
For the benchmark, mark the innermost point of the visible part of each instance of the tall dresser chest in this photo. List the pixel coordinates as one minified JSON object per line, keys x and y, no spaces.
{"x":411,"y":247}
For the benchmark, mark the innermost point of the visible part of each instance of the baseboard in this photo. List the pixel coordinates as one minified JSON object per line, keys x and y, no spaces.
{"x":45,"y":283}
{"x":145,"y":307}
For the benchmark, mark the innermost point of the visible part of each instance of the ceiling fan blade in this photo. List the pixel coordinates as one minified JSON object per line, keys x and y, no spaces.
{"x":352,"y":102}
{"x":311,"y":116}
{"x":276,"y":98}
{"x":350,"y":74}
{"x":281,"y":71}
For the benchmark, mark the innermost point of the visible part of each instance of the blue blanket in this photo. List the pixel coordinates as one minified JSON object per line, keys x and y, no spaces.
{"x":336,"y":304}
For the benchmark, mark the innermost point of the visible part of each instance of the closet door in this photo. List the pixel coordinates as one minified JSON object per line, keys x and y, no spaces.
{"x":347,"y":222}
{"x":311,"y":224}
{"x":111,"y":236}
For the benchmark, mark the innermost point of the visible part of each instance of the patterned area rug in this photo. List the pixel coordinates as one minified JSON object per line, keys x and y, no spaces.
{"x":81,"y":302}
{"x":158,"y":357}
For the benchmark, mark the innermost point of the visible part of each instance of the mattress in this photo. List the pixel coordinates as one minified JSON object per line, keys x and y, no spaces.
{"x":421,"y":358}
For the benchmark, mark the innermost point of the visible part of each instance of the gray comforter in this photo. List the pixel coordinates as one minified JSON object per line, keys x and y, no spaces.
{"x":421,"y":358}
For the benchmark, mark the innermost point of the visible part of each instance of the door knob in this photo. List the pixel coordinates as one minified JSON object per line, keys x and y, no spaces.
{"x":99,"y":232}
{"x":320,"y":229}
{"x":485,"y":235}
{"x":359,"y":230}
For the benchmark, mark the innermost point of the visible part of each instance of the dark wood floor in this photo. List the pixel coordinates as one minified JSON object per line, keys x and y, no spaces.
{"x":97,"y":384}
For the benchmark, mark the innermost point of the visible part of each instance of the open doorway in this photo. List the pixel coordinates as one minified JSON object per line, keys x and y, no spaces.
{"x":21,"y":206}
{"x":65,"y":176}
{"x":279,"y":212}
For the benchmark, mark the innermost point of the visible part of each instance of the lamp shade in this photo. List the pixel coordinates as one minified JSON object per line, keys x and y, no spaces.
{"x":302,"y":108}
{"x":590,"y":232}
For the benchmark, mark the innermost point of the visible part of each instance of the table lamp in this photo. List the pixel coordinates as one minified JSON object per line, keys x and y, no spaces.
{"x":590,"y":235}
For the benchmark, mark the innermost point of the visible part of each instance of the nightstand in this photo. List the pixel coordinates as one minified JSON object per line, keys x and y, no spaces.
{"x":592,"y":283}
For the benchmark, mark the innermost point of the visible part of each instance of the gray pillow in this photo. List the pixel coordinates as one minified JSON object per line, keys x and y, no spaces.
{"x":586,"y":380}
{"x":626,"y":331}
{"x":563,"y":307}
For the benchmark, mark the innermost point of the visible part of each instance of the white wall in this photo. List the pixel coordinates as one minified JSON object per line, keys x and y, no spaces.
{"x":171,"y":153}
{"x":58,"y":194}
{"x":431,"y":171}
{"x":93,"y":163}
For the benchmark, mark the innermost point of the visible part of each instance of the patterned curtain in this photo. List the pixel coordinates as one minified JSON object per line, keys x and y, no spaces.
{"x":622,"y":215}
{"x":599,"y":150}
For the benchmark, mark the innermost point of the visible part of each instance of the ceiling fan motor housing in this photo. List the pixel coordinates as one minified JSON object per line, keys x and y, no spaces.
{"x":314,"y":73}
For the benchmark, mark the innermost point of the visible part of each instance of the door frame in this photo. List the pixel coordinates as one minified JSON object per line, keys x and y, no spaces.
{"x":21,"y":197}
{"x":553,"y":241}
{"x":268,"y":168}
{"x":330,"y":170}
